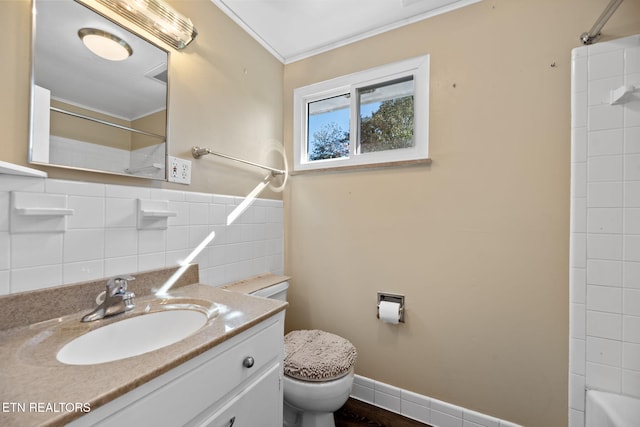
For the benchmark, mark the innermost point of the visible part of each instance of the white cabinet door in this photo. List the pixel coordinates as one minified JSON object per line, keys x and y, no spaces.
{"x":260,"y":404}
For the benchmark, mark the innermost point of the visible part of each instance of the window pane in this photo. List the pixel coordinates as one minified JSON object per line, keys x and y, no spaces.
{"x":386,"y":116}
{"x":328,"y":128}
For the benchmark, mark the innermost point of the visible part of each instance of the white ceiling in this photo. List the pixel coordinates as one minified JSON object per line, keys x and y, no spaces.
{"x":295,"y":29}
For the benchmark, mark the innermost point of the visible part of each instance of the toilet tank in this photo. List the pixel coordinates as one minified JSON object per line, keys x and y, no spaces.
{"x":277,"y":291}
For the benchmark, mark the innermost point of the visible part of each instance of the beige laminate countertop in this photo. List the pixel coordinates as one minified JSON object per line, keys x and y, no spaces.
{"x":36,"y":389}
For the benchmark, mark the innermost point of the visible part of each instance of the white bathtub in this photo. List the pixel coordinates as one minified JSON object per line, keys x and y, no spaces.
{"x":611,"y":410}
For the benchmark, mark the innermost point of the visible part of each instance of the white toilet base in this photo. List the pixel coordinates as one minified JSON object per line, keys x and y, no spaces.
{"x":318,"y":419}
{"x":309,"y":404}
{"x":297,"y":418}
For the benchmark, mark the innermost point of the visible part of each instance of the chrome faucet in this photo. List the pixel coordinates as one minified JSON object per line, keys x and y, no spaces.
{"x":116,"y":299}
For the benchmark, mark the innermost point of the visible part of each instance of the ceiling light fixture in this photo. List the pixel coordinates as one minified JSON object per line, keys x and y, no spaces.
{"x":105,"y":44}
{"x":158,"y":18}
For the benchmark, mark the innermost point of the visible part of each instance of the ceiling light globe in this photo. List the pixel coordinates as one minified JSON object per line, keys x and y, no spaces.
{"x":105,"y":45}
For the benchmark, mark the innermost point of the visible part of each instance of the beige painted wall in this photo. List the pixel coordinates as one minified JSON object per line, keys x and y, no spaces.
{"x":225,"y":93}
{"x":478,"y":241}
{"x":154,"y":123}
{"x":66,"y":126}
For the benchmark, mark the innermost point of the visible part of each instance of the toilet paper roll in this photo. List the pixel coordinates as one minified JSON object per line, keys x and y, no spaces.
{"x":389,"y":312}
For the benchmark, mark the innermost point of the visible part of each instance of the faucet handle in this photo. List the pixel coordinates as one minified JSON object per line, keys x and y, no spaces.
{"x":118,"y":284}
{"x":129,"y":300}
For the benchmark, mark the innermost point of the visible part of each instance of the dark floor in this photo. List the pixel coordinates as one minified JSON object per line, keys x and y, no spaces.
{"x":356,"y":413}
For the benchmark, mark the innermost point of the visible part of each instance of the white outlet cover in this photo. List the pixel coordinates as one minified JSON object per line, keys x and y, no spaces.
{"x":179,"y":170}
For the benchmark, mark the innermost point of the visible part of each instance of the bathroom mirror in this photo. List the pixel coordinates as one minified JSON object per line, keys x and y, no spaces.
{"x":92,"y":113}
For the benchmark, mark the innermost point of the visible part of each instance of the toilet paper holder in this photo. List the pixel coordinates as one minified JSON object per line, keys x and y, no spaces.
{"x":397,"y":298}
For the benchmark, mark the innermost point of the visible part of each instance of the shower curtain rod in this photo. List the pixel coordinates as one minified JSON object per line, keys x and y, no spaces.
{"x":594,"y":33}
{"x":198,"y":152}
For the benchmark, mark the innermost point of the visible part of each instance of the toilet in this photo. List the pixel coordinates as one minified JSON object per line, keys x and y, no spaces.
{"x":318,"y":371}
{"x":318,"y":376}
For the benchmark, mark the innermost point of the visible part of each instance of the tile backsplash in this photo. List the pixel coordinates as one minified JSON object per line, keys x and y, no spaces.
{"x":605,"y":224}
{"x":102,"y":236}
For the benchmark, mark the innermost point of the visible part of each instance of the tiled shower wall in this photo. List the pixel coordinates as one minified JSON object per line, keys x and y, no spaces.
{"x":102,"y":238}
{"x":605,"y":224}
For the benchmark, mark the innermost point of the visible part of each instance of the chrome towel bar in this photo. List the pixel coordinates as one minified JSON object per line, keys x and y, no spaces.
{"x":198,"y":152}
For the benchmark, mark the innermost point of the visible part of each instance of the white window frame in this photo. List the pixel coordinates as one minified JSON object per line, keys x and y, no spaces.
{"x":417,"y":67}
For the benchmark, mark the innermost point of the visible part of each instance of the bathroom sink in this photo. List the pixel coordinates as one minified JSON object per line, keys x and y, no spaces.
{"x":132,"y":336}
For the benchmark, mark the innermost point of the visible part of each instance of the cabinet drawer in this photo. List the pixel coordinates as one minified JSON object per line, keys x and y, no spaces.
{"x":258,"y":405}
{"x":210,"y":377}
{"x":221,"y":375}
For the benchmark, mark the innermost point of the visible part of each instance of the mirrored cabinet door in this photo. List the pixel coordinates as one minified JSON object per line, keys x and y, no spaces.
{"x":99,"y":95}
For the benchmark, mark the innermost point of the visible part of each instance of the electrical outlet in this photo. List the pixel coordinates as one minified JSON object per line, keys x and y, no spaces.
{"x":179,"y":170}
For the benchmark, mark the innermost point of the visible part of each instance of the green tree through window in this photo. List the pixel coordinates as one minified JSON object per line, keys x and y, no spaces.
{"x":388,"y":128}
{"x":330,"y":142}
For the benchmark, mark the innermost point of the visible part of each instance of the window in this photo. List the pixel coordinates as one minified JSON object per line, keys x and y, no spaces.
{"x":371,"y":117}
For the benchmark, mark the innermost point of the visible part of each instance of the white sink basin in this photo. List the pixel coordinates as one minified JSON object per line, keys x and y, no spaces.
{"x":132,"y":336}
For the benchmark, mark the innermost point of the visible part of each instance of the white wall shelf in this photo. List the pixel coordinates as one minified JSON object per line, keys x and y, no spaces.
{"x":158,"y":214}
{"x":39,"y":212}
{"x":12,"y":169}
{"x":44,"y":211}
{"x":154,"y":214}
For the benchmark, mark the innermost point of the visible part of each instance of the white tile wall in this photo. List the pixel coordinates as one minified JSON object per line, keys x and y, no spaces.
{"x":419,"y":407}
{"x":605,"y":224}
{"x":70,"y":152}
{"x":102,"y":238}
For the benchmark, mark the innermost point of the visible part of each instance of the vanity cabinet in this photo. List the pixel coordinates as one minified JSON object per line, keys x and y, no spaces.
{"x":236,"y":383}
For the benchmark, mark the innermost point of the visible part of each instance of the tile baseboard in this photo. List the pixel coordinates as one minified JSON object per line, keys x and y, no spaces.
{"x":419,"y":407}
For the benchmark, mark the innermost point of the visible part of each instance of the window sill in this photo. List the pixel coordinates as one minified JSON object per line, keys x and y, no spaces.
{"x":402,"y":163}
